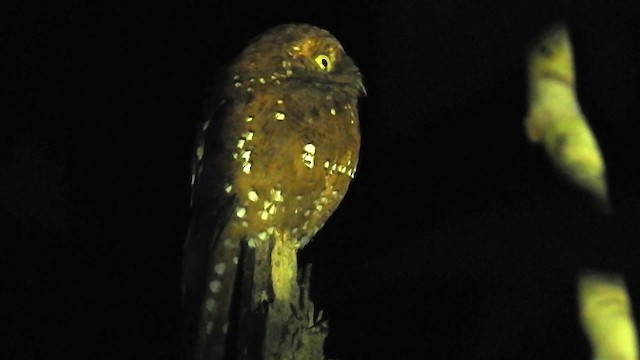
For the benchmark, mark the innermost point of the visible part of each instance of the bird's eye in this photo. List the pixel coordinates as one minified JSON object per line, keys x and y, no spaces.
{"x":324,"y":63}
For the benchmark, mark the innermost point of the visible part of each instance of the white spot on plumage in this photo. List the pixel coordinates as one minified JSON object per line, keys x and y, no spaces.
{"x":241,"y":211}
{"x":308,"y":155}
{"x":333,"y":111}
{"x":220,"y":268}
{"x":310,"y":148}
{"x":252,"y":195}
{"x":228,"y":188}
{"x":276,"y":195}
{"x":308,"y":160}
{"x":280,"y":116}
{"x":215,"y":286}
{"x":249,"y":119}
{"x":246,"y":168}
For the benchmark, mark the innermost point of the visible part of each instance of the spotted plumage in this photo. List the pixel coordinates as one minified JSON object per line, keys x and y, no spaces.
{"x":272,"y":162}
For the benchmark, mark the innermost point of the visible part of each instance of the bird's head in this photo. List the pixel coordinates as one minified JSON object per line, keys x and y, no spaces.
{"x":299,"y":52}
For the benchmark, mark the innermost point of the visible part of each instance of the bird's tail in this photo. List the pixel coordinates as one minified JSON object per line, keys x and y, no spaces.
{"x":216,"y":309}
{"x":210,"y":269}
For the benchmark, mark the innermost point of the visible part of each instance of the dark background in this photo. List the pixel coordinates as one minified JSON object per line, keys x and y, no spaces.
{"x":457,"y":240}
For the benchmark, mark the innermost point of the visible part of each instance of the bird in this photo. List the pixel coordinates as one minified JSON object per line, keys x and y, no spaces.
{"x":555,"y":119}
{"x":274,"y":156}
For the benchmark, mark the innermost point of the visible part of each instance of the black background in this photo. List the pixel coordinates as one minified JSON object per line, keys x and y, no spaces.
{"x":457,"y":240}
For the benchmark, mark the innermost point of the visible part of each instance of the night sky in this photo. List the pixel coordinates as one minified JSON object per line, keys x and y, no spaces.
{"x":457,"y":239}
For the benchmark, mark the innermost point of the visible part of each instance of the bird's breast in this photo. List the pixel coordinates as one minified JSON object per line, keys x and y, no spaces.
{"x":293,"y":158}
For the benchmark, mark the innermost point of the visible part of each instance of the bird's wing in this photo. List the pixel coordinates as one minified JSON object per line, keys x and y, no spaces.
{"x":211,"y":208}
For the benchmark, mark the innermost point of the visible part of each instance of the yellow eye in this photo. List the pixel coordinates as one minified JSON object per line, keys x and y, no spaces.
{"x":324,"y":63}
